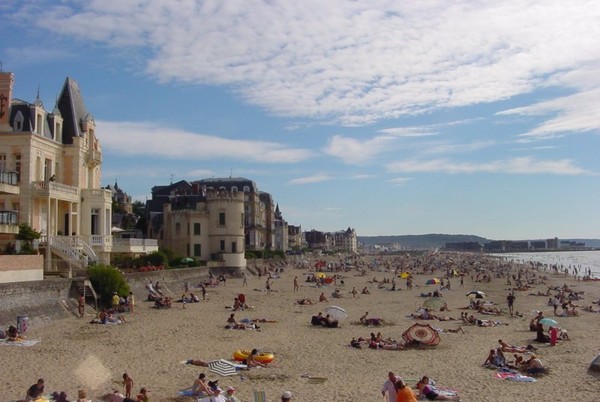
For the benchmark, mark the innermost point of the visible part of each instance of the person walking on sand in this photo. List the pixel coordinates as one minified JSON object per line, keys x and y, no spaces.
{"x":389,"y":387}
{"x":296,"y":287}
{"x":510,"y":299}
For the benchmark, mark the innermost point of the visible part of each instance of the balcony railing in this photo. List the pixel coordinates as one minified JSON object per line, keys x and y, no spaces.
{"x":11,"y":178}
{"x":55,"y":190}
{"x":9,"y":217}
{"x":132,"y":245}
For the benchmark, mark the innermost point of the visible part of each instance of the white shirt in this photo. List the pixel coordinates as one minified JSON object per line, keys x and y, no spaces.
{"x":390,"y":388}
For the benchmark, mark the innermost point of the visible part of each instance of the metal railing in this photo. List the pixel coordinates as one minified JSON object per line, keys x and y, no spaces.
{"x":7,"y":177}
{"x":9,"y":218}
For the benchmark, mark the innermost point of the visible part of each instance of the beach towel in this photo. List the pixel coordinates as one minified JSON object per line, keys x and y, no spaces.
{"x":514,"y":377}
{"x":23,"y":342}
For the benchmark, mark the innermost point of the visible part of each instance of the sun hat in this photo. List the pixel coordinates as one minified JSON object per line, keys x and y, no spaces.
{"x":230,"y":388}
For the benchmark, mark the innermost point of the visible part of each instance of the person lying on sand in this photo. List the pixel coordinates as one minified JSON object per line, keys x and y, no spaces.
{"x":505,"y":347}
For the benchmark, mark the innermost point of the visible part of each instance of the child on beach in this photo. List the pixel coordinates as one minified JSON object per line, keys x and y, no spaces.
{"x":128,"y":384}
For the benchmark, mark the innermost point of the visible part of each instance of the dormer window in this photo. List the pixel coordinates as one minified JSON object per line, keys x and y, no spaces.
{"x":18,"y":122}
{"x":39,"y":126}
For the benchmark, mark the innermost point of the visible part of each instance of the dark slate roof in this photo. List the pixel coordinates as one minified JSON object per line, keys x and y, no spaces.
{"x":73,"y":111}
{"x":228,"y":183}
{"x":27,"y":110}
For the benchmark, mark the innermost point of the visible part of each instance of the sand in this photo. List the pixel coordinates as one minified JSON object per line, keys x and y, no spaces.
{"x":74,"y":354}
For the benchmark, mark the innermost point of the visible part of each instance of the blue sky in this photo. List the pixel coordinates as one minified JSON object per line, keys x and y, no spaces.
{"x":462,"y":117}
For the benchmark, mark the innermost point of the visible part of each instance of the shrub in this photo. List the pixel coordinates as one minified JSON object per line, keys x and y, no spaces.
{"x":157,"y":258}
{"x":106,"y":280}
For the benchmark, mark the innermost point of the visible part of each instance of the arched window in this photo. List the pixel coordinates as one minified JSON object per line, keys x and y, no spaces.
{"x":18,"y":122}
{"x":177,"y":229}
{"x":246,"y":189}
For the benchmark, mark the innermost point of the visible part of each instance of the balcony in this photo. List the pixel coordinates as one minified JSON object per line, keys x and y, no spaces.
{"x":9,"y":222}
{"x":134,"y":246}
{"x":9,"y":183}
{"x":54,"y":190}
{"x":96,"y":195}
{"x":94,"y":157}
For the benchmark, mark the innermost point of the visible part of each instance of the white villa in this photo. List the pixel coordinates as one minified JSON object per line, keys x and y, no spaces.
{"x":50,"y":179}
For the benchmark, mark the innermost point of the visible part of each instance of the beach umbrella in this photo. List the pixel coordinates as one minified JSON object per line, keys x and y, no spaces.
{"x":187,"y":259}
{"x":434,"y":302}
{"x":549,"y":322}
{"x":337,"y":313}
{"x":476,"y":294}
{"x":222,"y":367}
{"x":422,"y":333}
{"x":404,"y":275}
{"x":432,"y":281}
{"x":320,"y":275}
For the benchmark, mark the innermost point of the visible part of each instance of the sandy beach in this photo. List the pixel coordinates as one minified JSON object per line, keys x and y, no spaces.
{"x":74,"y":354}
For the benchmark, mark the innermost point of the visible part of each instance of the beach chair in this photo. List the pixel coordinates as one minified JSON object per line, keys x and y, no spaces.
{"x":260,"y":396}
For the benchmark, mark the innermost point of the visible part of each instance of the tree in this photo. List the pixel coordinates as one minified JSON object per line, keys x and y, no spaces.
{"x":27,"y":234}
{"x":106,"y":280}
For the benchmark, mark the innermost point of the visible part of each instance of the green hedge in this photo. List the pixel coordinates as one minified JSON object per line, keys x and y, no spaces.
{"x":106,"y":280}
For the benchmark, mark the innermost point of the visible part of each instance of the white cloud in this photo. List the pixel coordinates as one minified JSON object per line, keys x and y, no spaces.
{"x":524,"y":165}
{"x":577,"y":113}
{"x":317,"y":178}
{"x":354,"y":151}
{"x":129,"y":138}
{"x":356,"y":62}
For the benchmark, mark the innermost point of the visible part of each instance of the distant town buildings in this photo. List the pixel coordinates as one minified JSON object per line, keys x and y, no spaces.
{"x":341,"y":241}
{"x":516,"y":245}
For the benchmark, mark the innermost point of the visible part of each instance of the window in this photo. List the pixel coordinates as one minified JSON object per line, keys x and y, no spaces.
{"x":18,"y":166}
{"x":39,"y":128}
{"x":221,"y":218}
{"x":234,"y":247}
{"x":18,"y":122}
{"x":3,"y":166}
{"x":222,"y":245}
{"x":197,"y":229}
{"x":177,"y":229}
{"x":197,"y":250}
{"x":242,"y":222}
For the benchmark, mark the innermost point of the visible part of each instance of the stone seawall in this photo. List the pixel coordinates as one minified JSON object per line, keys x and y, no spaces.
{"x":53,"y":299}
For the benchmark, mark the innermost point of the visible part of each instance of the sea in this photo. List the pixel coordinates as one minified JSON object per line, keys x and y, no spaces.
{"x":582,"y":260}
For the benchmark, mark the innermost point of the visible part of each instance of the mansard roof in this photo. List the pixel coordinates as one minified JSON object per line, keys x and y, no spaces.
{"x":73,"y":110}
{"x":28,"y":112}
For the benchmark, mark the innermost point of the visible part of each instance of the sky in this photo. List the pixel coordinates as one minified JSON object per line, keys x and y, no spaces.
{"x":389,"y":117}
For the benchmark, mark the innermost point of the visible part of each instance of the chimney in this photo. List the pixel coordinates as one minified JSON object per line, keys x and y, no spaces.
{"x":6,"y":88}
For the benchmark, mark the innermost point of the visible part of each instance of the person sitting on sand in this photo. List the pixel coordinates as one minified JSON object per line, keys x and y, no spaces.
{"x":365,"y":291}
{"x":490,"y":358}
{"x":322,"y":297}
{"x":534,"y":365}
{"x":330,"y":322}
{"x":35,"y":391}
{"x":427,"y":391}
{"x":233,"y":324}
{"x":336,"y":294}
{"x":12,"y":334}
{"x":251,"y":360}
{"x":317,"y":319}
{"x":304,"y":302}
{"x":200,"y":387}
